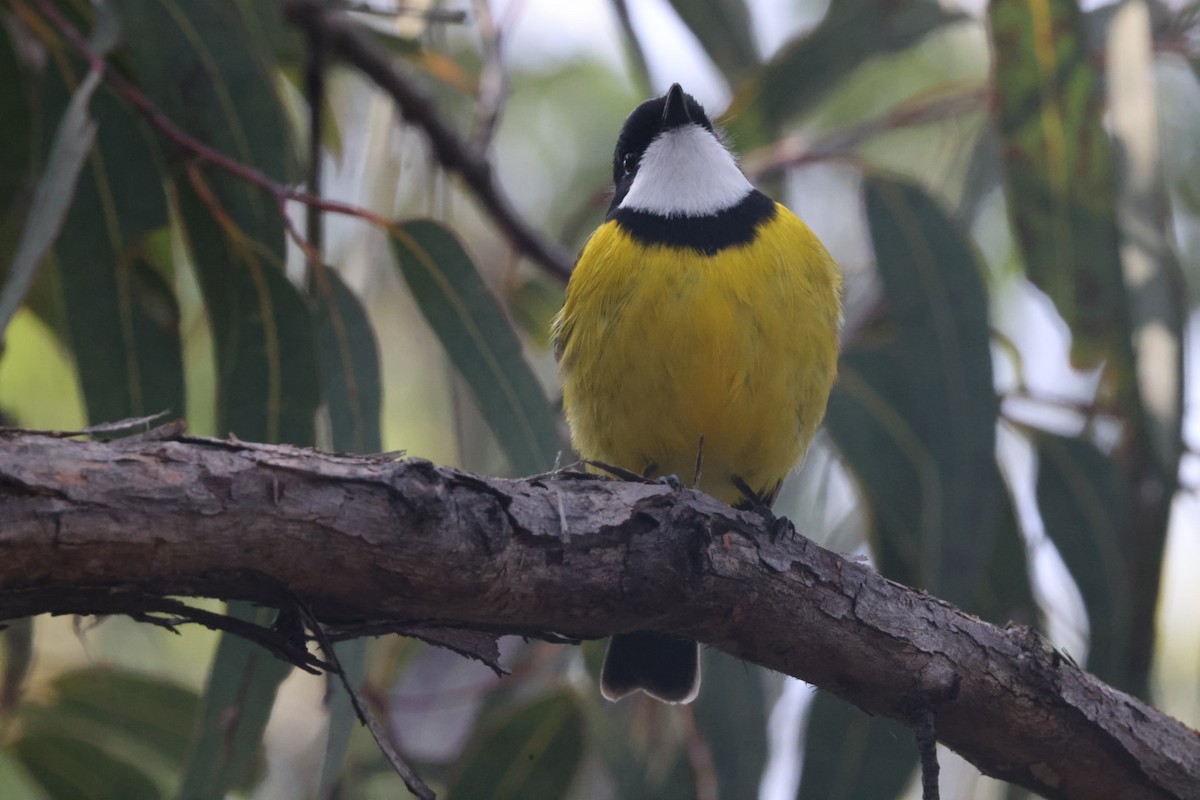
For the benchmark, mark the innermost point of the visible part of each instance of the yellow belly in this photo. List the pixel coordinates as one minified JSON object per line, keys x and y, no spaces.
{"x":660,"y":347}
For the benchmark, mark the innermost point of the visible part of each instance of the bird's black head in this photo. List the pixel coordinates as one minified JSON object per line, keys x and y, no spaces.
{"x":673,"y":109}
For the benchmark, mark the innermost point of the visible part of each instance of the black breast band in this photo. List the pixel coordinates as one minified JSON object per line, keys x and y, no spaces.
{"x":708,"y":234}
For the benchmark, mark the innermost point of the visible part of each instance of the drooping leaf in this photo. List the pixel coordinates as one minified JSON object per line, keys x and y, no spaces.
{"x":16,"y":126}
{"x":805,"y":69}
{"x":1082,"y":503}
{"x":1058,"y":167}
{"x":937,"y":306}
{"x":731,"y":713}
{"x":123,"y":321}
{"x":1157,"y":304}
{"x":1005,"y":592}
{"x":210,"y":72}
{"x":234,"y":709}
{"x":725,"y":32}
{"x":533,"y":752}
{"x":922,"y":534}
{"x":349,"y":362}
{"x":897,"y":471}
{"x":157,"y":714}
{"x":849,"y":754}
{"x":226,"y":97}
{"x":68,"y":768}
{"x":52,"y":198}
{"x":480,"y":341}
{"x":267,"y":386}
{"x":18,"y":655}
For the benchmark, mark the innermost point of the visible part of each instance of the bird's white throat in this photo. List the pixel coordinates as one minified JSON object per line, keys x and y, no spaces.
{"x":686,"y":172}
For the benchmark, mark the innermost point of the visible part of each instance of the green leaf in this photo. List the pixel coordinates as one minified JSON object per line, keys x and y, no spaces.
{"x":349,"y":362}
{"x":73,"y":769}
{"x":1081,"y":497}
{"x":123,"y":320}
{"x":938,"y":381}
{"x":1157,"y":301}
{"x":480,"y":341}
{"x":1058,"y":167}
{"x":208,"y":70}
{"x":156,"y":713}
{"x":267,"y":387}
{"x":725,"y":32}
{"x":731,"y":712}
{"x":533,"y":752}
{"x":936,"y":300}
{"x":850,"y":755}
{"x":16,"y":125}
{"x":1005,"y":592}
{"x":808,"y":67}
{"x":52,"y":198}
{"x":234,"y":711}
{"x":18,"y":656}
{"x":899,"y":475}
{"x":225,"y":96}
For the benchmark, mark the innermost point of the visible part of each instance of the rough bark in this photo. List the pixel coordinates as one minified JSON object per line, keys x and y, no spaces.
{"x":379,"y":544}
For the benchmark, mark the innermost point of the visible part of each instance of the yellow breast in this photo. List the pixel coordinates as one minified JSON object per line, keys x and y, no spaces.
{"x":660,"y":346}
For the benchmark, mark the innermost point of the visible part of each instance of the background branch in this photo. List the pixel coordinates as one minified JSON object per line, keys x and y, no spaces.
{"x":401,"y":544}
{"x":450,"y":149}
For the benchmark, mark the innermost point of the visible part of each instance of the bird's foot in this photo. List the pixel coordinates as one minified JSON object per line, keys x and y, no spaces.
{"x":753,"y":501}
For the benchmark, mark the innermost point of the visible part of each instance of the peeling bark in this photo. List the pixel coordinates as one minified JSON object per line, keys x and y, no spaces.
{"x":374,"y":544}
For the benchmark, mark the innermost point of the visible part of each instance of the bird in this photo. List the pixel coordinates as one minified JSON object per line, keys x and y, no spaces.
{"x":698,"y":339}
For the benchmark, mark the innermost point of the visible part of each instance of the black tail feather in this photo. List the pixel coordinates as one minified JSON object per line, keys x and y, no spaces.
{"x":663,"y":666}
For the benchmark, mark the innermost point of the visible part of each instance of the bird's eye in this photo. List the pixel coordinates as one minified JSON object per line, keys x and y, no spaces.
{"x":629,"y":163}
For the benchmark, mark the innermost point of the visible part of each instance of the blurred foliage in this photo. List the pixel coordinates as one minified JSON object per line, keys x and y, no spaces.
{"x":136,"y":277}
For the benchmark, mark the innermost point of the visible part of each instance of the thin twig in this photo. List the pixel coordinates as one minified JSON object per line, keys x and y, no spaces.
{"x":794,"y":151}
{"x":493,"y":79}
{"x":314,"y":80}
{"x":411,"y":779}
{"x":927,"y":747}
{"x":450,"y":149}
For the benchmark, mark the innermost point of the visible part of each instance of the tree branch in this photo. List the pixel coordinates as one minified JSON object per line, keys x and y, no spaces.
{"x":391,"y":545}
{"x":450,"y":149}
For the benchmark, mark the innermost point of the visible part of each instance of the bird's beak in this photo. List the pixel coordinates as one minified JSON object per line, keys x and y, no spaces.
{"x":675,"y":112}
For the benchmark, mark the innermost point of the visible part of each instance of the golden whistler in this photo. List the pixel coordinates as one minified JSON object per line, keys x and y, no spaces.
{"x":701,"y":324}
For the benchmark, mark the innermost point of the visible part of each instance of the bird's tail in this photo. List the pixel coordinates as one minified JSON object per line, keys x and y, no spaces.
{"x":664,"y":667}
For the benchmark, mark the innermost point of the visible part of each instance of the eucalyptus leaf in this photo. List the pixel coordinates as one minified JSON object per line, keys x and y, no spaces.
{"x":122,"y":317}
{"x":68,"y":768}
{"x":480,"y":341}
{"x":226,"y":745}
{"x":1058,"y":167}
{"x":814,"y":63}
{"x":849,"y":754}
{"x":1083,"y":508}
{"x":52,"y":198}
